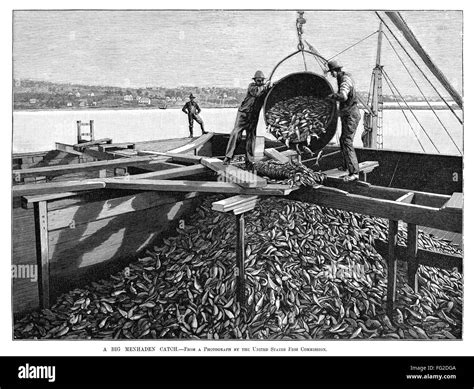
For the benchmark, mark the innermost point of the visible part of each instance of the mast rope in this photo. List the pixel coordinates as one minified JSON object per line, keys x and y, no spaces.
{"x":418,"y":67}
{"x":355,"y":44}
{"x":404,"y":114}
{"x":421,"y":91}
{"x":387,"y":78}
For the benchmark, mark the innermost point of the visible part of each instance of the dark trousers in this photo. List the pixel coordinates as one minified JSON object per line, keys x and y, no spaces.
{"x":248,"y":122}
{"x":191,"y":118}
{"x":349,"y":122}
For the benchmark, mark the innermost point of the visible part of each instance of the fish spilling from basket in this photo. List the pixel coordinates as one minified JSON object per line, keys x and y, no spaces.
{"x":299,"y":119}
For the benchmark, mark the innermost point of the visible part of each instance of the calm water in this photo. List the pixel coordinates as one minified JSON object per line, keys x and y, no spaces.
{"x":38,"y":131}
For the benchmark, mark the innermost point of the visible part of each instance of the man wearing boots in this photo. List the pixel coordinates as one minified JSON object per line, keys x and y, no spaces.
{"x":247,"y":119}
{"x":350,"y":117}
{"x":191,"y":108}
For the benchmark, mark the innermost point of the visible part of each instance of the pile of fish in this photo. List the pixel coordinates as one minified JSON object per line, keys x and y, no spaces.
{"x":311,"y":273}
{"x":288,"y":173}
{"x":299,"y":119}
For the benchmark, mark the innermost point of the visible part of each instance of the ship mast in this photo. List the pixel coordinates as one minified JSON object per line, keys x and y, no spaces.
{"x":375,"y":120}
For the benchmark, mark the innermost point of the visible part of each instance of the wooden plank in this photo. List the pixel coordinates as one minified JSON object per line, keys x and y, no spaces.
{"x":186,"y":158}
{"x":89,"y":166}
{"x":92,"y":143}
{"x":42,"y":249}
{"x":424,"y":257}
{"x":455,"y":202}
{"x":409,"y":213}
{"x":196,"y":186}
{"x":203,"y":139}
{"x":391,"y":265}
{"x":105,"y":147}
{"x":56,"y":187}
{"x":230,"y":173}
{"x":66,"y":238}
{"x":230,"y":203}
{"x":434,"y":200}
{"x":67,"y":148}
{"x":27,"y":201}
{"x":366,"y":166}
{"x":89,"y":212}
{"x":412,"y":249}
{"x":276,"y":155}
{"x":176,"y":172}
{"x":118,"y":239}
{"x":406,"y":198}
{"x":240,"y":258}
{"x":245,"y":207}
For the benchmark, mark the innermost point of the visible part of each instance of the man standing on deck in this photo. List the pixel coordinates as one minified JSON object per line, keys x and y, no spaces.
{"x":191,"y":108}
{"x":350,"y":117}
{"x":247,"y":119}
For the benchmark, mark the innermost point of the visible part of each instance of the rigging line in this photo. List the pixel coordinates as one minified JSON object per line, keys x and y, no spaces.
{"x":411,"y":111}
{"x":394,"y":171}
{"x":404,"y":114}
{"x":421,"y":71}
{"x":414,"y":81}
{"x":350,"y":47}
{"x":317,"y":59}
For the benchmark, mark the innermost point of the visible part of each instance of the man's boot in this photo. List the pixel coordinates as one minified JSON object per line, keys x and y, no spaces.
{"x":227,"y":161}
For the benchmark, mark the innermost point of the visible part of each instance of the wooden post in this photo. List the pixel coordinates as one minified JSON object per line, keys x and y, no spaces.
{"x":78,"y":123}
{"x":91,"y":127}
{"x":412,"y":246}
{"x":391,"y":265}
{"x":240,"y":257}
{"x":42,"y":252}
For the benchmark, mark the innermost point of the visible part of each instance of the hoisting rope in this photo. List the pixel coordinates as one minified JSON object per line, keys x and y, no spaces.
{"x":404,"y":114}
{"x":388,"y":79}
{"x":299,"y":30}
{"x":421,"y":71}
{"x":420,"y":90}
{"x":355,"y":44}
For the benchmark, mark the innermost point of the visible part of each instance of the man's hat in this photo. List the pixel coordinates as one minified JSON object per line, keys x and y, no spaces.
{"x":191,"y":96}
{"x":258,"y":74}
{"x":333,"y":65}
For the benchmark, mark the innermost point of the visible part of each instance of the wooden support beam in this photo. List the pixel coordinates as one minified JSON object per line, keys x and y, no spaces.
{"x":67,"y":148}
{"x":240,"y":265}
{"x":434,"y":200}
{"x":409,"y":213}
{"x":80,"y":146}
{"x":424,"y":257}
{"x":454,"y":203}
{"x":392,"y":265}
{"x":56,"y":187}
{"x":230,"y":203}
{"x":406,"y":198}
{"x":245,"y":207}
{"x":176,"y":172}
{"x":230,"y":173}
{"x":57,"y":170}
{"x":195,"y":144}
{"x":105,"y":147}
{"x":195,"y":186}
{"x":27,"y":202}
{"x":42,"y":252}
{"x":185,"y":158}
{"x":276,"y":155}
{"x":412,"y":249}
{"x":366,"y":166}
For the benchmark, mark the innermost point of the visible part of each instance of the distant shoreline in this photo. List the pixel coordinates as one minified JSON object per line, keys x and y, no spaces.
{"x":414,"y":105}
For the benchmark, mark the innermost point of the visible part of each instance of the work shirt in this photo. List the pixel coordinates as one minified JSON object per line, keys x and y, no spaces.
{"x":346,"y":94}
{"x":253,"y":102}
{"x":191,"y":108}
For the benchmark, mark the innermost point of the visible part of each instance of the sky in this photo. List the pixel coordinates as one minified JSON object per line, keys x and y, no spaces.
{"x":218,"y":48}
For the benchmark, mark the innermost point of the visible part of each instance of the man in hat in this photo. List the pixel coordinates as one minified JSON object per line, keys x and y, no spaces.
{"x":247,"y":119}
{"x":350,"y":117}
{"x":191,"y":108}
